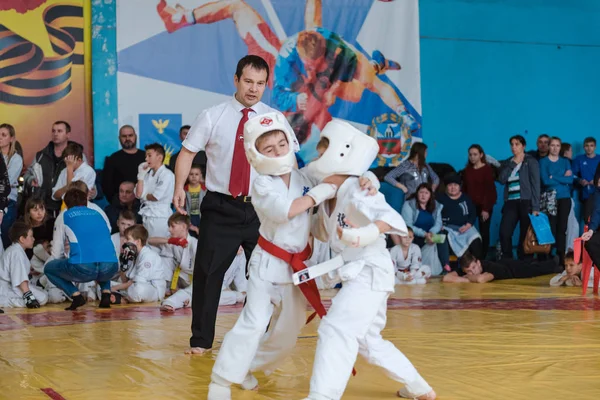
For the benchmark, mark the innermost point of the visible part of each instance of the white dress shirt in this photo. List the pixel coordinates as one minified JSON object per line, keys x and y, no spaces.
{"x":214,"y":131}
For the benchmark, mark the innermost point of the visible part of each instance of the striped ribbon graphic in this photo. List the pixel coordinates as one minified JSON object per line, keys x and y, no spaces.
{"x":26,"y":76}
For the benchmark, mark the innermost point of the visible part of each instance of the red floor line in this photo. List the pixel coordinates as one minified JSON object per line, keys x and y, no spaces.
{"x":52,"y":394}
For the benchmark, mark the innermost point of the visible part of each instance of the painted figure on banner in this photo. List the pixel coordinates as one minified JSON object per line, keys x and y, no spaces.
{"x":312,"y":69}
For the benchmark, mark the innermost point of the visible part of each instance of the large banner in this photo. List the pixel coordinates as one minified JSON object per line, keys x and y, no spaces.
{"x":357,"y":60}
{"x":42,"y":71}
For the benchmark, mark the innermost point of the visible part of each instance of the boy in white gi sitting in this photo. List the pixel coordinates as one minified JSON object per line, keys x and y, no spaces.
{"x":363,"y":265}
{"x":15,"y":290}
{"x":236,"y":274}
{"x":407,"y":259}
{"x":142,"y":275}
{"x":281,"y":196}
{"x":125,"y":220}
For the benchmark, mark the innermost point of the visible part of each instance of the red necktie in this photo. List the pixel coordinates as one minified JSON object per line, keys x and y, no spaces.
{"x":239,"y":180}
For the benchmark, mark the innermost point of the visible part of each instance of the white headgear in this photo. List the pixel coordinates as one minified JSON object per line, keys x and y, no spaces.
{"x":350,"y":151}
{"x":259,"y":125}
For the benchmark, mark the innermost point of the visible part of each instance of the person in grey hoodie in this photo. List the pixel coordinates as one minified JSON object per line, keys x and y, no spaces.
{"x":520,"y":176}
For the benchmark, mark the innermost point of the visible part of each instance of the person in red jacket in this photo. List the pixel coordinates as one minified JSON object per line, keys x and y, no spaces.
{"x":478,"y":184}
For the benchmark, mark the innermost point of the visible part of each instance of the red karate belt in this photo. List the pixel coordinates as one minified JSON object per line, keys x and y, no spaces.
{"x":296,"y":260}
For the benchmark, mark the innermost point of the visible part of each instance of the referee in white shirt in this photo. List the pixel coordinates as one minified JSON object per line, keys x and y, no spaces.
{"x":228,"y":219}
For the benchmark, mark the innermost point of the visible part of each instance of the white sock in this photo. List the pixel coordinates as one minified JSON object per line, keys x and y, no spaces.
{"x":250,"y":382}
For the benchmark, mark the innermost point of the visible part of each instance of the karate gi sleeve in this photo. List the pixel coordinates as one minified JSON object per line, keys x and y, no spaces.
{"x":88,"y":176}
{"x":555,"y":280}
{"x":269,"y":201}
{"x":416,"y":256}
{"x":165,"y":186}
{"x":239,"y":277}
{"x":58,"y":238}
{"x":199,"y":133}
{"x":60,"y":182}
{"x":375,"y":208}
{"x":19,"y":268}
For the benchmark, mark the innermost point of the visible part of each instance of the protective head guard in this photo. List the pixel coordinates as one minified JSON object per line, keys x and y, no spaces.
{"x":350,"y":151}
{"x":256,"y":127}
{"x":128,"y":256}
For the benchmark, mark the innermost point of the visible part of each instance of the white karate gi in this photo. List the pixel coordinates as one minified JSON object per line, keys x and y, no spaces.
{"x":410,"y":266}
{"x":116,"y":240}
{"x":155,"y":214}
{"x":236,"y":274}
{"x":147,"y":276}
{"x":84,"y":173}
{"x":14,"y":270}
{"x":272,"y":299}
{"x":40,"y":256}
{"x":368,"y":279}
{"x":178,"y":262}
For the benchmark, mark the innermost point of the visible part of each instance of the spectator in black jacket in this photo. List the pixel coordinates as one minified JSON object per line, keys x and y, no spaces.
{"x":48,"y":164}
{"x":199,"y":159}
{"x":122,"y":165}
{"x":124,"y":201}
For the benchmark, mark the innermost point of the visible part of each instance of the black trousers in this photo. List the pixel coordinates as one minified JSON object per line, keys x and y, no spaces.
{"x":514,"y":212}
{"x":587,"y":209}
{"x":484,"y":231}
{"x":558,"y":225}
{"x":593,"y":248}
{"x":226,"y":224}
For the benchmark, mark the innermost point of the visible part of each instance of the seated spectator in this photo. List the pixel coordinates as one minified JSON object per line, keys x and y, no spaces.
{"x":474,"y":270}
{"x":36,"y":217}
{"x":520,"y":176}
{"x":125,"y":201}
{"x":584,"y":171}
{"x":424,"y":215}
{"x":557,"y":177}
{"x":76,"y":170}
{"x":48,"y":164}
{"x":458,"y":217}
{"x":199,"y":158}
{"x":14,"y":163}
{"x":121,"y":166}
{"x":155,"y":187}
{"x":413,"y":171}
{"x":91,"y":252}
{"x":235,"y":275}
{"x":15,"y":290}
{"x":571,"y":276}
{"x":144,"y":280}
{"x":125,"y":220}
{"x":407,"y":260}
{"x":178,"y":252}
{"x":478,"y":184}
{"x":543,"y":147}
{"x":194,"y":193}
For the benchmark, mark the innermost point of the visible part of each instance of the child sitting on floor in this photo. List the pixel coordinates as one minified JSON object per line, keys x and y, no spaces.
{"x":15,"y":290}
{"x":144,"y":281}
{"x":407,"y":259}
{"x":571,"y":276}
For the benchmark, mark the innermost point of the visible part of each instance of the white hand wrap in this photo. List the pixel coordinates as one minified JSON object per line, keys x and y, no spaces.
{"x":374,"y":181}
{"x":142,"y":171}
{"x":322,"y":192}
{"x":360,"y":237}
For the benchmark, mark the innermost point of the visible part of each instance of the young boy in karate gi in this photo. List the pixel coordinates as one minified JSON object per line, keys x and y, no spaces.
{"x":236,"y":274}
{"x":407,"y":259}
{"x":125,"y":220}
{"x":365,"y":268}
{"x":144,"y":281}
{"x":281,"y":196}
{"x":155,"y":187}
{"x":178,"y":252}
{"x":15,"y":290}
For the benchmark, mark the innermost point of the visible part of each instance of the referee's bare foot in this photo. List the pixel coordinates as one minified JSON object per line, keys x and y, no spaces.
{"x":197,"y":351}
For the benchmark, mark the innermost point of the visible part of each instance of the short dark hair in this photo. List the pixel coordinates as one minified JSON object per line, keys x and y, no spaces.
{"x":75,"y":198}
{"x":18,"y":230}
{"x":519,"y":138}
{"x":543,"y":136}
{"x":466,"y":260}
{"x":589,"y":139}
{"x":126,"y":126}
{"x":564,"y":147}
{"x":184,"y":127}
{"x":65,"y":123}
{"x":137,"y":232}
{"x":79,"y":185}
{"x":570,"y":255}
{"x":157,"y":147}
{"x":73,"y":149}
{"x":253,"y":61}
{"x":178,"y":218}
{"x":127,"y":215}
